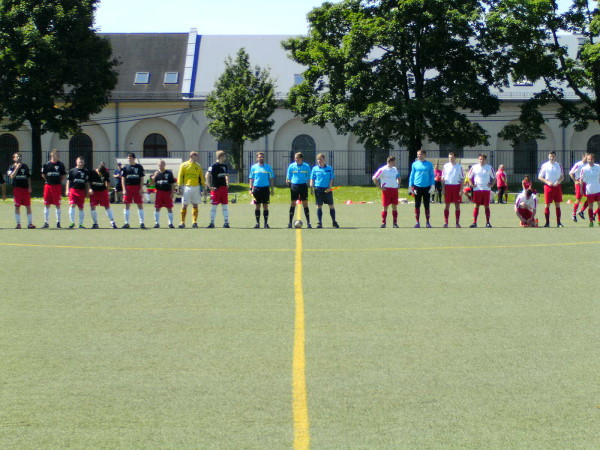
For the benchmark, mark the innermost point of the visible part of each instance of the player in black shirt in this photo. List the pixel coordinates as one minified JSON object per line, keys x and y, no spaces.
{"x":132,"y":180}
{"x":99,"y":184}
{"x":78,"y":185}
{"x":164,"y":181}
{"x":53,"y":173}
{"x":21,"y":179}
{"x":217,"y":180}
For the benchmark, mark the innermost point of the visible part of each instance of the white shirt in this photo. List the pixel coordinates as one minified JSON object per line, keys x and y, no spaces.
{"x":576,"y":169}
{"x":590,"y":175}
{"x":452,"y":173}
{"x":387,"y":176}
{"x":527,"y":203}
{"x":551,"y":172}
{"x":482,"y":177}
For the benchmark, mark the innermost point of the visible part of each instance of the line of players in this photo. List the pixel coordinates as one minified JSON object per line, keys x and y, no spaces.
{"x":82,"y":183}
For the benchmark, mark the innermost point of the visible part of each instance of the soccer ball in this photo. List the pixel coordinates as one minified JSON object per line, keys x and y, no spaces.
{"x":297,"y":224}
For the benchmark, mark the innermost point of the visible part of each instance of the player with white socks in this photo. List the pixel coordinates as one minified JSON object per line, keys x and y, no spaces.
{"x":132,"y":180}
{"x":53,"y":173}
{"x":99,"y":184}
{"x":21,"y":178}
{"x":164,"y":181}
{"x":77,"y":187}
{"x":218,"y":182}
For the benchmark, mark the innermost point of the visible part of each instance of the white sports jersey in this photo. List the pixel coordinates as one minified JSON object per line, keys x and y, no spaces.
{"x":576,"y":169}
{"x":452,"y":174}
{"x":387,"y":176}
{"x":527,"y":203}
{"x":551,"y":172}
{"x":482,"y":177}
{"x":590,"y":175}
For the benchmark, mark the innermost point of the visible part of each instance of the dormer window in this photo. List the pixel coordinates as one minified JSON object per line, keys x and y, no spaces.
{"x":142,"y":78}
{"x":171,"y":77}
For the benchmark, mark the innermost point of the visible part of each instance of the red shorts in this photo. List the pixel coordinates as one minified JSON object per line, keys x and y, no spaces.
{"x":52,"y":194}
{"x":133,"y":195}
{"x":220,"y":196}
{"x":579,"y":191}
{"x":552,"y":194}
{"x":481,"y":198}
{"x":100,"y":198}
{"x":525,"y":213}
{"x":22,"y":196}
{"x":452,"y":193}
{"x":593,"y":198}
{"x":77,"y":197}
{"x":389,"y":196}
{"x":163,"y":199}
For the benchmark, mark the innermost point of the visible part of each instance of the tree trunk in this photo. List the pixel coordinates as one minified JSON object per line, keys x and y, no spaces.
{"x":36,"y":147}
{"x":415,"y":146}
{"x":238,"y":159}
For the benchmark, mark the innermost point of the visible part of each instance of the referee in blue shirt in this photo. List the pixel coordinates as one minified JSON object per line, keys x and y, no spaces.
{"x":321,"y":182}
{"x":298,"y":174}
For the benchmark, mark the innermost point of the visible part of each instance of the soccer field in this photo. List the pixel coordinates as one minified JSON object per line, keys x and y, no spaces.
{"x":429,"y":338}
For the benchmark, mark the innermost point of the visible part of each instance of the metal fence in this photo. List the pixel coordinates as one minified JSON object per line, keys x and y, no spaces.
{"x":352,"y":167}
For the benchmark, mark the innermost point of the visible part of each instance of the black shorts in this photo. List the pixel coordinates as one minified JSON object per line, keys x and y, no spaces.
{"x":262,"y":195}
{"x":299,"y":192}
{"x":323,"y":197}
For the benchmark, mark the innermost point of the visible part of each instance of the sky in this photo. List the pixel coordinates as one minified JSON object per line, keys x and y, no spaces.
{"x":231,"y":17}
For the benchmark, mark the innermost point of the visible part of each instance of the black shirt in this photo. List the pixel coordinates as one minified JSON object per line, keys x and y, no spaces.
{"x":21,"y":178}
{"x":98,"y":182}
{"x":54,"y":172}
{"x":78,"y":178}
{"x":218,"y":172}
{"x":164,"y":180}
{"x":133,"y":174}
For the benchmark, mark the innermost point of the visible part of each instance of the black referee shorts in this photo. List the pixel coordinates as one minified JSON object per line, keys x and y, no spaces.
{"x":323,"y":197}
{"x":262,"y":195}
{"x":299,"y":192}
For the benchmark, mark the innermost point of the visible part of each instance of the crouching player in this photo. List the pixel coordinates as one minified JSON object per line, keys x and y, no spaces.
{"x":21,"y":178}
{"x":526,"y":207}
{"x":77,"y":188}
{"x":99,"y":184}
{"x":165,"y":189}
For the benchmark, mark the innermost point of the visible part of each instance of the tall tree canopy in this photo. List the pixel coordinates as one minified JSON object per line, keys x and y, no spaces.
{"x":526,"y":34}
{"x":241,"y":105}
{"x":395,"y":71}
{"x":55,"y":71}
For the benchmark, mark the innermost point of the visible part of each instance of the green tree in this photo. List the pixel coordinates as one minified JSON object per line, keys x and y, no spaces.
{"x":527,"y":38}
{"x":55,"y":71}
{"x":395,"y":71}
{"x":241,"y":105}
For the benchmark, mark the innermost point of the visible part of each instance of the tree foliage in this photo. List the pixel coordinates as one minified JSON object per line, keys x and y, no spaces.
{"x":395,"y":71}
{"x":55,"y":71}
{"x":526,"y":35}
{"x":241,"y":105}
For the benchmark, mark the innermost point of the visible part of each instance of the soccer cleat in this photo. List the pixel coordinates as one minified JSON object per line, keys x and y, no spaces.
{"x":126,"y":225}
{"x":458,"y":225}
{"x":71,"y":226}
{"x":171,"y":225}
{"x":335,"y":225}
{"x":473,"y":225}
{"x":289,"y":225}
{"x":591,"y":224}
{"x":559,"y":225}
{"x":445,"y":225}
{"x":226,"y":225}
{"x":382,"y":225}
{"x":181,"y":225}
{"x":46,"y":225}
{"x":95,"y":226}
{"x":417,"y":225}
{"x":18,"y":227}
{"x":319,"y":225}
{"x":81,"y":226}
{"x":257,"y":226}
{"x":582,"y":214}
{"x":309,"y":225}
{"x":157,"y":225}
{"x":266,"y":225}
{"x":546,"y":225}
{"x":58,"y":225}
{"x":488,"y":225}
{"x":574,"y":217}
{"x":428,"y":225}
{"x":113,"y":225}
{"x":396,"y":225}
{"x":211,"y":225}
{"x":194,"y":225}
{"x":31,"y":226}
{"x":142,"y":226}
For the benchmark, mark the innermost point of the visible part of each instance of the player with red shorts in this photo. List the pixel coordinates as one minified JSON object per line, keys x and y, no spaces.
{"x":21,"y":179}
{"x":590,"y":175}
{"x":217,"y":180}
{"x":387,"y":178}
{"x":165,"y":189}
{"x":452,"y":177}
{"x":526,"y":207}
{"x":77,"y":188}
{"x":132,"y":180}
{"x":99,"y":184}
{"x":552,"y":175}
{"x":53,"y":173}
{"x":575,"y":174}
{"x":482,"y":178}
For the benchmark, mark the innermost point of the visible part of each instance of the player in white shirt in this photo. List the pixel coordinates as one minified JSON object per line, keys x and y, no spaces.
{"x":482,"y":178}
{"x":552,"y":175}
{"x":387,"y":178}
{"x":575,"y":174}
{"x":452,"y":179}
{"x":590,"y":175}
{"x":526,"y":207}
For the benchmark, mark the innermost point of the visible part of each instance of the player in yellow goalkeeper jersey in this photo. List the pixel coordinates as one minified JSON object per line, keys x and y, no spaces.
{"x":190,"y":179}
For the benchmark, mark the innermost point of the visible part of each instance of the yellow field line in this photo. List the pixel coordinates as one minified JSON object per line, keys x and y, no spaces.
{"x":299,"y":394}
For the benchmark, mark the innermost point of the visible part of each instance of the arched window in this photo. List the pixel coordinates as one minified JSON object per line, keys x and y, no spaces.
{"x":81,"y":145}
{"x":375,"y":157}
{"x":593,"y":145}
{"x":155,"y":146}
{"x":525,"y":153}
{"x":447,"y":148}
{"x":8,"y":146}
{"x":307,"y":146}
